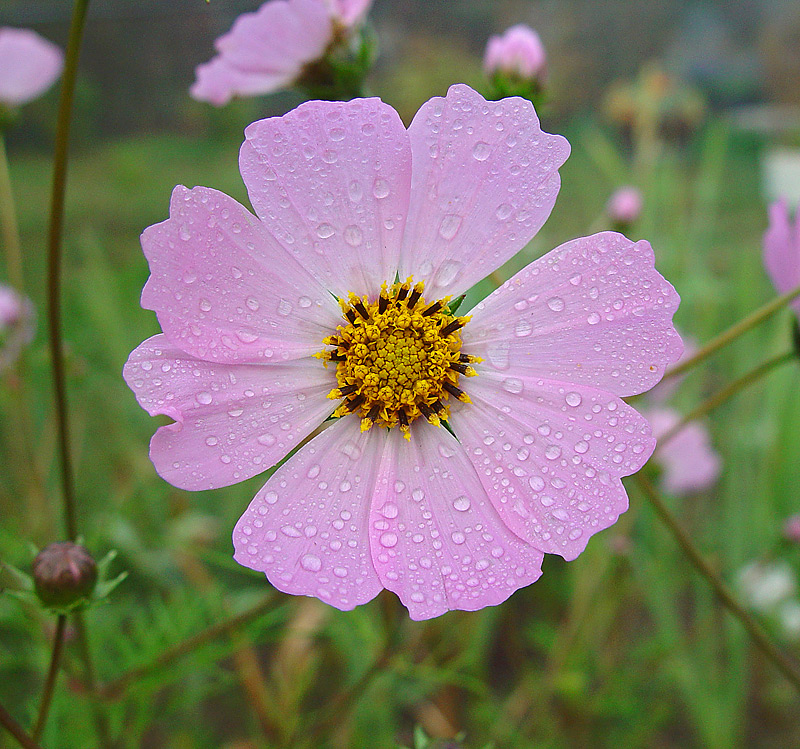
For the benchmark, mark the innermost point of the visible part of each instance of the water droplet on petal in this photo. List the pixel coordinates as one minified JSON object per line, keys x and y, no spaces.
{"x":311,"y":563}
{"x":462,"y":503}
{"x":481,"y":151}
{"x":573,"y":399}
{"x":325,"y":230}
{"x":523,"y":329}
{"x":449,"y":226}
{"x":555,"y":303}
{"x":380,"y":188}
{"x":205,"y":398}
{"x":512,"y":385}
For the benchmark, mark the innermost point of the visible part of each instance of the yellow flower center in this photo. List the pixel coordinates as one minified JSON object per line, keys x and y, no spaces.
{"x":397,"y":358}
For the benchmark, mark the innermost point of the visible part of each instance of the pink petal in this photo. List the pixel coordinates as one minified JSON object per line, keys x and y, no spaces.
{"x":484,"y":181}
{"x":436,"y":539}
{"x":518,"y":51}
{"x":594,"y":311}
{"x":29,"y":65}
{"x":225,"y":291}
{"x":550,"y":455}
{"x":689,"y":462}
{"x":331,"y":181}
{"x":782,"y":250}
{"x":266,"y":50}
{"x":217,"y":82}
{"x":232,"y":421}
{"x":351,"y":12}
{"x":307,"y":528}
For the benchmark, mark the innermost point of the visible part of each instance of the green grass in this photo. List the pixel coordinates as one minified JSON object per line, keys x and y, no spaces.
{"x":624,"y":647}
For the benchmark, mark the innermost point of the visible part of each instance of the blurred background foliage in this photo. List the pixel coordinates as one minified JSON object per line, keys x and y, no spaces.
{"x":626,"y":646}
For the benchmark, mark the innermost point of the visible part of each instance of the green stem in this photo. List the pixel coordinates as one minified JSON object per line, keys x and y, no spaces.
{"x":752,"y":627}
{"x":727,"y":393}
{"x":8,"y":222}
{"x":115,"y":688}
{"x":54,"y":257}
{"x":732,"y":333}
{"x":16,"y":730}
{"x":90,"y":679}
{"x":50,"y":681}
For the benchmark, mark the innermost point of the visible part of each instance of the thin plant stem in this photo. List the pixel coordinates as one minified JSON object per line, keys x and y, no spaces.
{"x":54,"y":257}
{"x":16,"y":730}
{"x":721,"y":396}
{"x":117,"y":687}
{"x":752,"y":627}
{"x":8,"y":222}
{"x":732,"y":333}
{"x":90,"y":679}
{"x":50,"y":682}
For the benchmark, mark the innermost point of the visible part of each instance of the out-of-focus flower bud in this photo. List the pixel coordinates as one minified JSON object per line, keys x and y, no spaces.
{"x":515,"y":63}
{"x":29,"y":65}
{"x":16,"y":324}
{"x":764,"y":585}
{"x":64,"y":574}
{"x":791,"y":529}
{"x":624,"y":207}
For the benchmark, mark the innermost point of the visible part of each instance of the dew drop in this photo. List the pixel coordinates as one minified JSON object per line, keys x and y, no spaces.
{"x":593,"y":319}
{"x":266,"y":439}
{"x":284,"y":307}
{"x":555,"y":303}
{"x":458,"y":537}
{"x":380,"y":188}
{"x":313,"y":472}
{"x":462,"y":503}
{"x":481,"y":151}
{"x":573,"y":399}
{"x":325,"y":230}
{"x":304,"y":302}
{"x":388,"y":540}
{"x":552,"y":452}
{"x":503,"y":211}
{"x":447,"y":273}
{"x":211,"y":441}
{"x":512,"y":385}
{"x":204,"y":397}
{"x":205,"y":305}
{"x":353,"y":235}
{"x":449,"y":226}
{"x":311,"y":563}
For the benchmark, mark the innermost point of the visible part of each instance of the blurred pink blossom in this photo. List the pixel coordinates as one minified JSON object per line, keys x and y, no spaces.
{"x":782,"y":250}
{"x":689,"y":462}
{"x":269,"y":49}
{"x":791,"y":528}
{"x":29,"y":65}
{"x":625,"y":205}
{"x":517,"y":52}
{"x":245,"y":367}
{"x":16,"y":325}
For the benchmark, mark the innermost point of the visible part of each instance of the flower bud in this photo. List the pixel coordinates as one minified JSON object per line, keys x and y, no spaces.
{"x":16,"y":324}
{"x":518,"y":52}
{"x":791,"y":529}
{"x":64,"y":573}
{"x":624,"y":206}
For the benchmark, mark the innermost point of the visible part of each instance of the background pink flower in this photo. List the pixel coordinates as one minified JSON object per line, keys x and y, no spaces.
{"x":782,"y":250}
{"x":688,"y":461}
{"x":518,"y":52}
{"x":17,"y":324}
{"x":267,"y":50}
{"x":29,"y":65}
{"x":624,"y":205}
{"x":347,"y":198}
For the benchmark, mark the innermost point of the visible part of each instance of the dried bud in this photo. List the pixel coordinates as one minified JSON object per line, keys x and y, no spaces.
{"x":64,"y":573}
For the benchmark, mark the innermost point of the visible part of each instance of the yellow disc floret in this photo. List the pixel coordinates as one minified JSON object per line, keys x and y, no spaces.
{"x":398,"y":357}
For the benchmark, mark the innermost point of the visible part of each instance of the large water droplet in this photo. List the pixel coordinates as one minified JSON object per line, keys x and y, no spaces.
{"x":513,"y":385}
{"x":573,"y":399}
{"x":503,"y":211}
{"x":447,"y":273}
{"x":389,"y":540}
{"x":353,"y":235}
{"x":205,"y":398}
{"x":325,"y":230}
{"x":523,"y":328}
{"x":284,"y":307}
{"x":481,"y":151}
{"x":449,"y":226}
{"x":555,"y":303}
{"x":380,"y":188}
{"x":462,"y":503}
{"x":311,"y":563}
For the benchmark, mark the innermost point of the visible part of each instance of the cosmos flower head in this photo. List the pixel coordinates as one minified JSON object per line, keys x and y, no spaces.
{"x":517,"y":52}
{"x":463,"y":446}
{"x":17,"y":324}
{"x":29,"y":65}
{"x":688,"y":461}
{"x":276,"y":46}
{"x":782,"y":250}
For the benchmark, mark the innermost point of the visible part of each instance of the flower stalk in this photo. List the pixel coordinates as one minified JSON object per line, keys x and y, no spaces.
{"x":751,"y":626}
{"x":732,"y":333}
{"x":16,"y":730}
{"x":50,"y":682}
{"x":8,"y":222}
{"x":724,"y":395}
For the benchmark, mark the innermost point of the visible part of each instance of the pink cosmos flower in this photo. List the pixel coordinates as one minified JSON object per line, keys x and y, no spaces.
{"x":517,"y":52}
{"x":689,"y":462}
{"x":269,"y":49}
{"x":782,"y":250}
{"x":29,"y":65}
{"x":255,"y":346}
{"x":16,"y":325}
{"x":624,"y":205}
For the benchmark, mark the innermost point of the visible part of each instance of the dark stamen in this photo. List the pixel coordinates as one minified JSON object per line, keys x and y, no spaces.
{"x":413,"y":299}
{"x":438,"y":406}
{"x":335,"y":356}
{"x":347,"y":389}
{"x":402,"y":418}
{"x":466,"y":358}
{"x":359,"y":306}
{"x":460,"y":368}
{"x":451,"y":327}
{"x":433,"y":309}
{"x":402,"y":294}
{"x":352,"y":405}
{"x":350,"y":315}
{"x":426,"y":410}
{"x":374,"y":411}
{"x":452,"y":389}
{"x":383,"y":303}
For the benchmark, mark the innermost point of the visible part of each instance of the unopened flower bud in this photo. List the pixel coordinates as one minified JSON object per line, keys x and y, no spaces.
{"x":624,"y":206}
{"x":518,"y":52}
{"x":64,"y":573}
{"x":16,"y":324}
